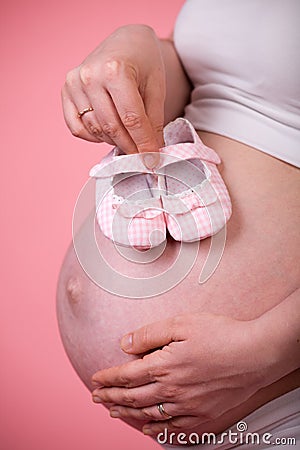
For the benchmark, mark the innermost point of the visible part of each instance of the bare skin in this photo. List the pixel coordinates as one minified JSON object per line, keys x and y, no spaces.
{"x":257,"y":274}
{"x":262,"y":235}
{"x":129,"y":80}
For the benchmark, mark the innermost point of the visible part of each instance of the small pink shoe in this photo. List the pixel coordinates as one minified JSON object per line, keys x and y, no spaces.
{"x":195,"y":199}
{"x":129,"y":212}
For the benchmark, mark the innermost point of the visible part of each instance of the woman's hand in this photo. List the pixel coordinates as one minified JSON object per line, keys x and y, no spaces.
{"x":123,"y":80}
{"x":206,"y":365}
{"x":201,"y":366}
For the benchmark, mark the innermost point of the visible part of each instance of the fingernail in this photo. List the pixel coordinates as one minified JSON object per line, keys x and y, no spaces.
{"x":114,"y":413}
{"x":126,"y":342}
{"x":147,"y":430}
{"x":97,"y":399}
{"x":151,"y":160}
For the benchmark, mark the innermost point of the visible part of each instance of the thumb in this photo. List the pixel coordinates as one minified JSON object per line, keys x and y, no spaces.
{"x":150,"y":337}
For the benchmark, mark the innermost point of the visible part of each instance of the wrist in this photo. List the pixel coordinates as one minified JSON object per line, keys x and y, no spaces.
{"x":274,"y":343}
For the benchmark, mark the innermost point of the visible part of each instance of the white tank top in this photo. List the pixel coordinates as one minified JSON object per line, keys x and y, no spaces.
{"x":243,"y":58}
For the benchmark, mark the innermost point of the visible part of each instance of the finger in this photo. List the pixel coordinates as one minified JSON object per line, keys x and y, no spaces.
{"x":74,"y":92}
{"x":89,"y":118}
{"x":131,"y":108}
{"x":74,"y":123}
{"x":112,"y":128}
{"x":147,"y":413}
{"x":154,"y":97}
{"x":111,"y":124}
{"x":151,"y":336}
{"x":91,"y":123}
{"x":176,"y":424}
{"x":138,"y":397}
{"x":132,"y":374}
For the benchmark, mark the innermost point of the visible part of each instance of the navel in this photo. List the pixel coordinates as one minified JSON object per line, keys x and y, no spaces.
{"x":74,"y":290}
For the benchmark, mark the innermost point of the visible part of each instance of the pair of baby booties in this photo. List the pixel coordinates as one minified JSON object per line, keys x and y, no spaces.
{"x":185,"y":194}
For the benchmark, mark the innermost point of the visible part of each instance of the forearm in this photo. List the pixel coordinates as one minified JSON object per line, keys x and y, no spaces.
{"x":178,"y":86}
{"x":278,"y":337}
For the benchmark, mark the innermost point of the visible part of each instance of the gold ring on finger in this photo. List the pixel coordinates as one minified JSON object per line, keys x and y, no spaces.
{"x":163,"y":412}
{"x":84,"y":111}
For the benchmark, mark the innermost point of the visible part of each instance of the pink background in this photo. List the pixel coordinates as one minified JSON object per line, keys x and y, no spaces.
{"x":43,"y":403}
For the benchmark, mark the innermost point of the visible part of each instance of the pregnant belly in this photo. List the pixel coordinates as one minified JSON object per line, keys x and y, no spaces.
{"x":256,"y":272}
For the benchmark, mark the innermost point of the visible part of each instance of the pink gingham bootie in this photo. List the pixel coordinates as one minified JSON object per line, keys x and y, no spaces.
{"x":194,"y":197}
{"x":129,"y":211}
